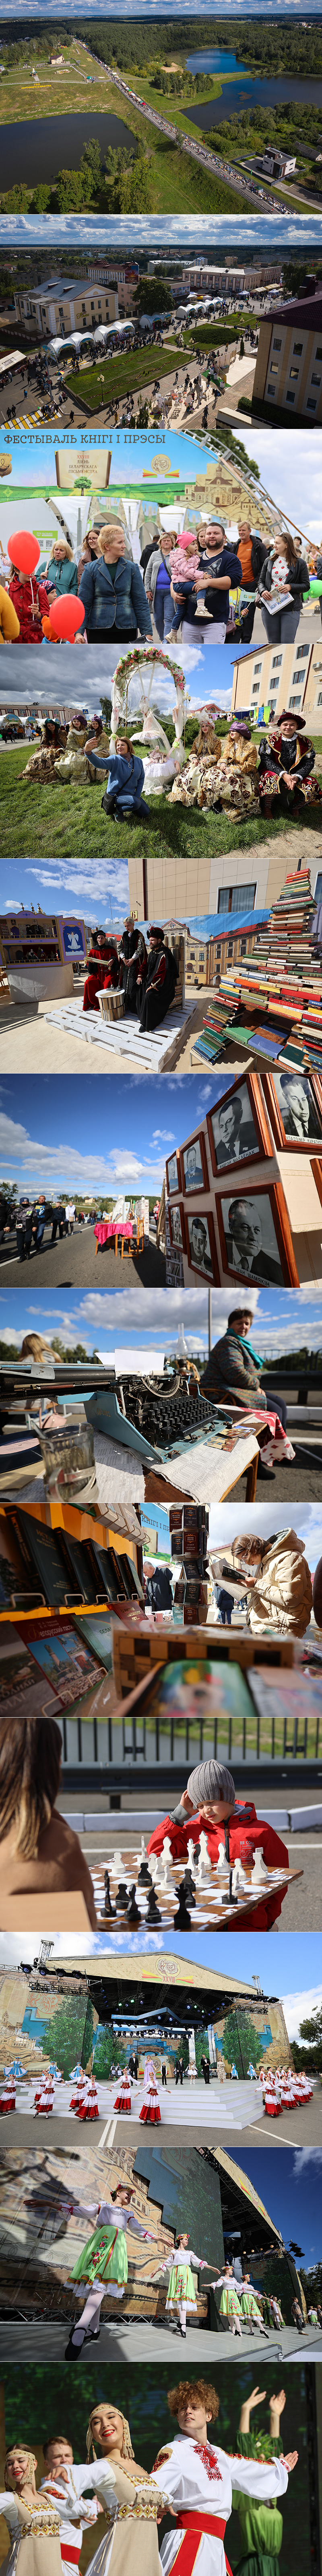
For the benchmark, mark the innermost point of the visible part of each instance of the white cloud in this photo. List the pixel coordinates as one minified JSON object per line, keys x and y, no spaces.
{"x":45,"y":1162}
{"x":299,"y":2007}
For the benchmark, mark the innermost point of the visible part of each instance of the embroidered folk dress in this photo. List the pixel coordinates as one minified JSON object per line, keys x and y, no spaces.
{"x":123,"y":2095}
{"x":261,"y":2526}
{"x":249,"y":2304}
{"x":150,"y":2113}
{"x":34,"y":2536}
{"x":198,"y":2479}
{"x":181,"y":2291}
{"x":104,"y":2257}
{"x":230,"y":2302}
{"x":131,"y":2502}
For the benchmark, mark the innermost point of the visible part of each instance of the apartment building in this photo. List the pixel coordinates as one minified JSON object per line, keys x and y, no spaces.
{"x":288,"y":373}
{"x":274,"y":676}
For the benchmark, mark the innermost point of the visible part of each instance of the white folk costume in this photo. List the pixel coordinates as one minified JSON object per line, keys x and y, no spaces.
{"x":150,"y":2113}
{"x":103,"y":2264}
{"x":7,"y":2095}
{"x":181,"y":2292}
{"x":44,"y":2096}
{"x":131,"y":2501}
{"x":123,"y":2095}
{"x":76,"y":2517}
{"x":230,"y":2302}
{"x":33,"y":2534}
{"x":199,"y":2479}
{"x":87,"y":2107}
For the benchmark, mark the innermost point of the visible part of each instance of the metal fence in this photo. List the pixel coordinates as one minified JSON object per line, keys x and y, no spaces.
{"x":131,"y":1739}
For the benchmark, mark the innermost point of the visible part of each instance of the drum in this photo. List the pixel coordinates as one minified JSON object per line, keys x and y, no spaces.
{"x":112,"y":1005}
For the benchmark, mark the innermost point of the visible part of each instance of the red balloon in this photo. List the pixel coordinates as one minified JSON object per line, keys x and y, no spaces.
{"x":66,"y":615}
{"x":24,"y":551}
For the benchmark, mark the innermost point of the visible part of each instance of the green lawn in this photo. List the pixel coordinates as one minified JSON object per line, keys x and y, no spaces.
{"x":128,"y":373}
{"x":67,"y":822}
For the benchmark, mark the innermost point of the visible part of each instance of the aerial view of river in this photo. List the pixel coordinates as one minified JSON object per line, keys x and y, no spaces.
{"x":247,"y":90}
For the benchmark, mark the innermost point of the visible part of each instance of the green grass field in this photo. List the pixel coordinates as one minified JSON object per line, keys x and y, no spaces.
{"x":67,"y":822}
{"x":120,"y":375}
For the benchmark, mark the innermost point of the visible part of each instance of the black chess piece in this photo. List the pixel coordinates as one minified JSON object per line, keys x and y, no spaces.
{"x":153,"y":1913}
{"x":122,"y":1893}
{"x":189,"y":1885}
{"x":108,"y":1908}
{"x":144,"y":1877}
{"x":133,"y":1911}
{"x":197,"y":1851}
{"x":183,"y":1918}
{"x":233,"y":1900}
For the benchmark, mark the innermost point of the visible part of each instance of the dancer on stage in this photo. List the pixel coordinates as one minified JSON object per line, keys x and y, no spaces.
{"x":103,"y":2264}
{"x":62,"y":2483}
{"x":261,"y":2527}
{"x":87,"y":2106}
{"x":125,"y":2490}
{"x":230,"y":2300}
{"x":123,"y":2096}
{"x":249,"y":2306}
{"x":150,"y":2113}
{"x":199,"y":2478}
{"x":181,"y":2292}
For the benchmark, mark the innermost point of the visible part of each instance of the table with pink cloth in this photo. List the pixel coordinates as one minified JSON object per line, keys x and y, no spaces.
{"x":109,"y":1229}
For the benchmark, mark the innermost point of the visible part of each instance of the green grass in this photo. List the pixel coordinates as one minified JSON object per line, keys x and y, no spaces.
{"x":67,"y":822}
{"x":127,"y":374}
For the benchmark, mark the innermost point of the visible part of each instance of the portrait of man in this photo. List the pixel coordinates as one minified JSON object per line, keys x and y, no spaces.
{"x":176,"y":1230}
{"x":192,"y":1165}
{"x":234,"y":1131}
{"x":298,"y":1108}
{"x":198,"y":1231}
{"x":172,"y":1173}
{"x":250,"y":1238}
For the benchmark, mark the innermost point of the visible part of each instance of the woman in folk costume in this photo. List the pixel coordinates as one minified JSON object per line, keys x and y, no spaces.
{"x":7,"y":2095}
{"x":260,"y":2525}
{"x":32,"y":2520}
{"x":88,"y":2110}
{"x":249,"y":2306}
{"x":199,"y":2479}
{"x":129,"y":2496}
{"x":103,"y":2263}
{"x":44,"y":2097}
{"x":123,"y":2095}
{"x":181,"y":2292}
{"x":230,"y":2301}
{"x":77,"y":2080}
{"x":150,"y":2113}
{"x":273,"y":2100}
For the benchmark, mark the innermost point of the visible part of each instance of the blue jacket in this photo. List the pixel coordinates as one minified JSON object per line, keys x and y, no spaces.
{"x":123,"y":779}
{"x":120,"y":603}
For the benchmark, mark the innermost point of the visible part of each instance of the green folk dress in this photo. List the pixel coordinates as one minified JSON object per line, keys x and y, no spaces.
{"x":261,"y":2526}
{"x":104,"y":2257}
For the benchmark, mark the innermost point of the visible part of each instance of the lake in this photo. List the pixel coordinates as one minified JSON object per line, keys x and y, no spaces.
{"x":53,"y":143}
{"x":246,"y":90}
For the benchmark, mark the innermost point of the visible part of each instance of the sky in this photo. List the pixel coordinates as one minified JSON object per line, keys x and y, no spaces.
{"x":102,"y":1319}
{"x":134,"y":231}
{"x":50,"y":1135}
{"x":290,"y":1966}
{"x":290,"y":2185}
{"x":264,"y":9}
{"x":79,"y":676}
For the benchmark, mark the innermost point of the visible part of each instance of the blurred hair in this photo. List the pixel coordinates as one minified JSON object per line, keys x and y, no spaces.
{"x":30,"y":1758}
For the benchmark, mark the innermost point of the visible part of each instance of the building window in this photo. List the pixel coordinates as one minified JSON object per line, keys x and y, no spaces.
{"x":295,"y":702}
{"x":311,"y":406}
{"x":315,"y":380}
{"x":277,"y":661}
{"x":255,"y":690}
{"x":234,"y":898}
{"x":319,"y":698}
{"x":290,"y":398}
{"x":318,"y":353}
{"x":302,"y":652}
{"x":296,"y":676}
{"x":277,"y":344}
{"x":294,"y":375}
{"x":273,"y":367}
{"x":271,"y":390}
{"x":257,"y":666}
{"x":297,"y":348}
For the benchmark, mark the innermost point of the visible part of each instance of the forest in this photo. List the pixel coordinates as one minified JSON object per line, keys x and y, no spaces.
{"x":268,"y":48}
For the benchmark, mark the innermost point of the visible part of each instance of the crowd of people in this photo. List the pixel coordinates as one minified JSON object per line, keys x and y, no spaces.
{"x":191,"y":2472}
{"x":198,"y":574}
{"x":233,"y":773}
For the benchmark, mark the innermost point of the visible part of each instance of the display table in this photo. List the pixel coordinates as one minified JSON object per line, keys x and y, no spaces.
{"x":109,"y":1230}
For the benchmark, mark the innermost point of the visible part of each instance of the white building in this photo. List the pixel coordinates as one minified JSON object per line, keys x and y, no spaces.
{"x":61,"y":305}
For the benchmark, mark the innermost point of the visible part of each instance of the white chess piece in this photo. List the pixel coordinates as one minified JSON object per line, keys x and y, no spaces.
{"x":165,"y":1874}
{"x":191,"y":1856}
{"x":166,"y":1853}
{"x":116,"y":1865}
{"x":222,"y":1863}
{"x":154,"y":1867}
{"x":204,"y":1863}
{"x":238,"y":1879}
{"x":259,"y":1871}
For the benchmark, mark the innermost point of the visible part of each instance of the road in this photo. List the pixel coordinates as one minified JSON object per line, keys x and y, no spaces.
{"x":72,"y":1262}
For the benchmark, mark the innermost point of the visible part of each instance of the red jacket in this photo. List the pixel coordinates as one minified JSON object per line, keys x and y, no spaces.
{"x":274,"y":1851}
{"x":24,"y":594}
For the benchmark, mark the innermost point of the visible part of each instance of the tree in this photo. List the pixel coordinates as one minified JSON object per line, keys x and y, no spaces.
{"x":136,"y":195}
{"x":310,"y":2030}
{"x":225,"y":438}
{"x":69,"y":191}
{"x":91,"y":163}
{"x":241,"y":2042}
{"x":153,"y":295}
{"x":41,"y":199}
{"x":108,"y":2051}
{"x":70,"y":2033}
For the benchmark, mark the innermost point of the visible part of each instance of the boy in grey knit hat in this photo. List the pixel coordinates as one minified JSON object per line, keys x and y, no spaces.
{"x":208,"y":1804}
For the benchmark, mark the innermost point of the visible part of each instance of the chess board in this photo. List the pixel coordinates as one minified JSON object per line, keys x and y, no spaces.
{"x":212,"y":1907}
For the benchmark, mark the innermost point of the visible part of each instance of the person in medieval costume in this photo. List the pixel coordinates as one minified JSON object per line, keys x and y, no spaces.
{"x":102,"y":2264}
{"x":133,"y":963}
{"x":101,"y":969}
{"x":199,"y":2478}
{"x":155,"y":992}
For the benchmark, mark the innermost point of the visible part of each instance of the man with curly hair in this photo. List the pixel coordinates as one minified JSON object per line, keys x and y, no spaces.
{"x":198,"y":2480}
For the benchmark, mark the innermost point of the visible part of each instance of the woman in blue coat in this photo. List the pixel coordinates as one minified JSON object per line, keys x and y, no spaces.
{"x":113,"y":592}
{"x":62,"y":571}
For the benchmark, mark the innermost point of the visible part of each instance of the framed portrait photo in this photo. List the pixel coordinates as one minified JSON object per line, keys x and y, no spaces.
{"x":201,"y":1244}
{"x":255,"y":1236}
{"x":173,"y":1174}
{"x":177,"y":1228}
{"x":194,"y":1167}
{"x":294,"y":1100}
{"x":237,"y":1127}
